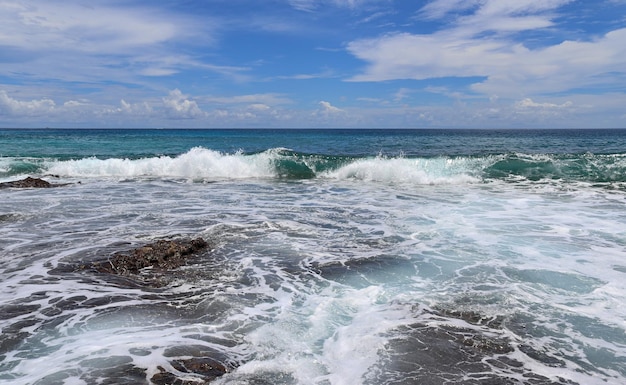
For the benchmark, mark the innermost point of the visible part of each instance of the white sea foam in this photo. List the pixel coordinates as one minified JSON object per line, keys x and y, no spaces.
{"x":202,"y":163}
{"x":415,"y":171}
{"x":197,"y":163}
{"x":309,"y":279}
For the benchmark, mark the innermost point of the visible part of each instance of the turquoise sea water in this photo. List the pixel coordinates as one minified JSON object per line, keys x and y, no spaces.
{"x":340,"y":256}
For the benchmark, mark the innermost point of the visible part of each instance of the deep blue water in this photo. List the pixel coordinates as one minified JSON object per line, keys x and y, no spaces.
{"x":453,"y":142}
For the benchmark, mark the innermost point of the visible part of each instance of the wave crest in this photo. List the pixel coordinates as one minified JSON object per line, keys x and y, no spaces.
{"x":204,"y":164}
{"x":197,"y":163}
{"x":419,"y":171}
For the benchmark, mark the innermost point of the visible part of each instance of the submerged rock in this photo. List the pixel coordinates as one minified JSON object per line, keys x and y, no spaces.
{"x":160,"y":255}
{"x":203,"y":370}
{"x":440,"y":350}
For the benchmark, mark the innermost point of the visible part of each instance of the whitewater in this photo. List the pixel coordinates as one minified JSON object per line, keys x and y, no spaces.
{"x":337,"y":257}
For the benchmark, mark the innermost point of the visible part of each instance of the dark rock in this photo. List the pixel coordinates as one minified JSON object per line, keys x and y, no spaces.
{"x":160,"y":255}
{"x":433,"y":355}
{"x":541,"y":356}
{"x":472,"y":317}
{"x":26,"y":183}
{"x":152,"y":266}
{"x":200,"y":364}
{"x":443,"y":351}
{"x":29,"y":183}
{"x":204,"y":370}
{"x":9,"y":341}
{"x":13,"y":310}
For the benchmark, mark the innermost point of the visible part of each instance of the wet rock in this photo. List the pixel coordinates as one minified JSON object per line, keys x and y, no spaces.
{"x":204,"y":370}
{"x":472,"y":317}
{"x":427,"y":354}
{"x":15,"y":310}
{"x":192,"y":364}
{"x":151,"y":266}
{"x":440,"y":350}
{"x":541,"y":356}
{"x":9,"y":341}
{"x":28,"y":183}
{"x":160,"y":255}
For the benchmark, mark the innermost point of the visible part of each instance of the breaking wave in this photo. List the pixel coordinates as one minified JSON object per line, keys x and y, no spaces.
{"x":204,"y":164}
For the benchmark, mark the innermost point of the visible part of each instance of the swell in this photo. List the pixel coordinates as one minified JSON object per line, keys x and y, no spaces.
{"x":204,"y":164}
{"x":581,"y":168}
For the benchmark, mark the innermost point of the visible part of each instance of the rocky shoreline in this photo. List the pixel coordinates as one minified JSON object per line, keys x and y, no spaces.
{"x":431,"y":349}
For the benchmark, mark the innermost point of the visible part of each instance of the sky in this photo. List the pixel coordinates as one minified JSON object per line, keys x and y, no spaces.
{"x":313,"y":63}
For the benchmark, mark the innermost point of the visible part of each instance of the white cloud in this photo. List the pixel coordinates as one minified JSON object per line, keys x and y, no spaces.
{"x":70,"y":112}
{"x":401,"y":94}
{"x":511,"y":16}
{"x":178,"y":106}
{"x":439,"y":8}
{"x":494,"y":15}
{"x":304,"y":5}
{"x":327,"y":108}
{"x":142,"y":108}
{"x":534,"y":111}
{"x":528,"y":103}
{"x":157,"y":71}
{"x":481,"y":44}
{"x":180,"y":110}
{"x":16,"y":107}
{"x":98,"y":28}
{"x":269,"y":99}
{"x":259,"y":107}
{"x":104,"y":40}
{"x":310,"y":5}
{"x":326,"y":74}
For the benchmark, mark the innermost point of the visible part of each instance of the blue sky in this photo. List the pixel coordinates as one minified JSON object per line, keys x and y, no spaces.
{"x":313,"y":63}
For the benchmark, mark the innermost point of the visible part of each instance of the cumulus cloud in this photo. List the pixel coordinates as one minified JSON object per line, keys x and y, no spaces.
{"x":327,"y":108}
{"x":16,"y":107}
{"x":142,"y":108}
{"x":178,"y":105}
{"x":71,"y":112}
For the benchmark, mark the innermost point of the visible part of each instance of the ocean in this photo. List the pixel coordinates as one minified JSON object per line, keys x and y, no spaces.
{"x":337,"y":257}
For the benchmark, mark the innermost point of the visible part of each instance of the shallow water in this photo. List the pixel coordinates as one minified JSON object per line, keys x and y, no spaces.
{"x":376,"y":271}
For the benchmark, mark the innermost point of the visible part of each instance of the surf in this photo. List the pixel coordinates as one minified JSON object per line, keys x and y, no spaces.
{"x":200,"y":164}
